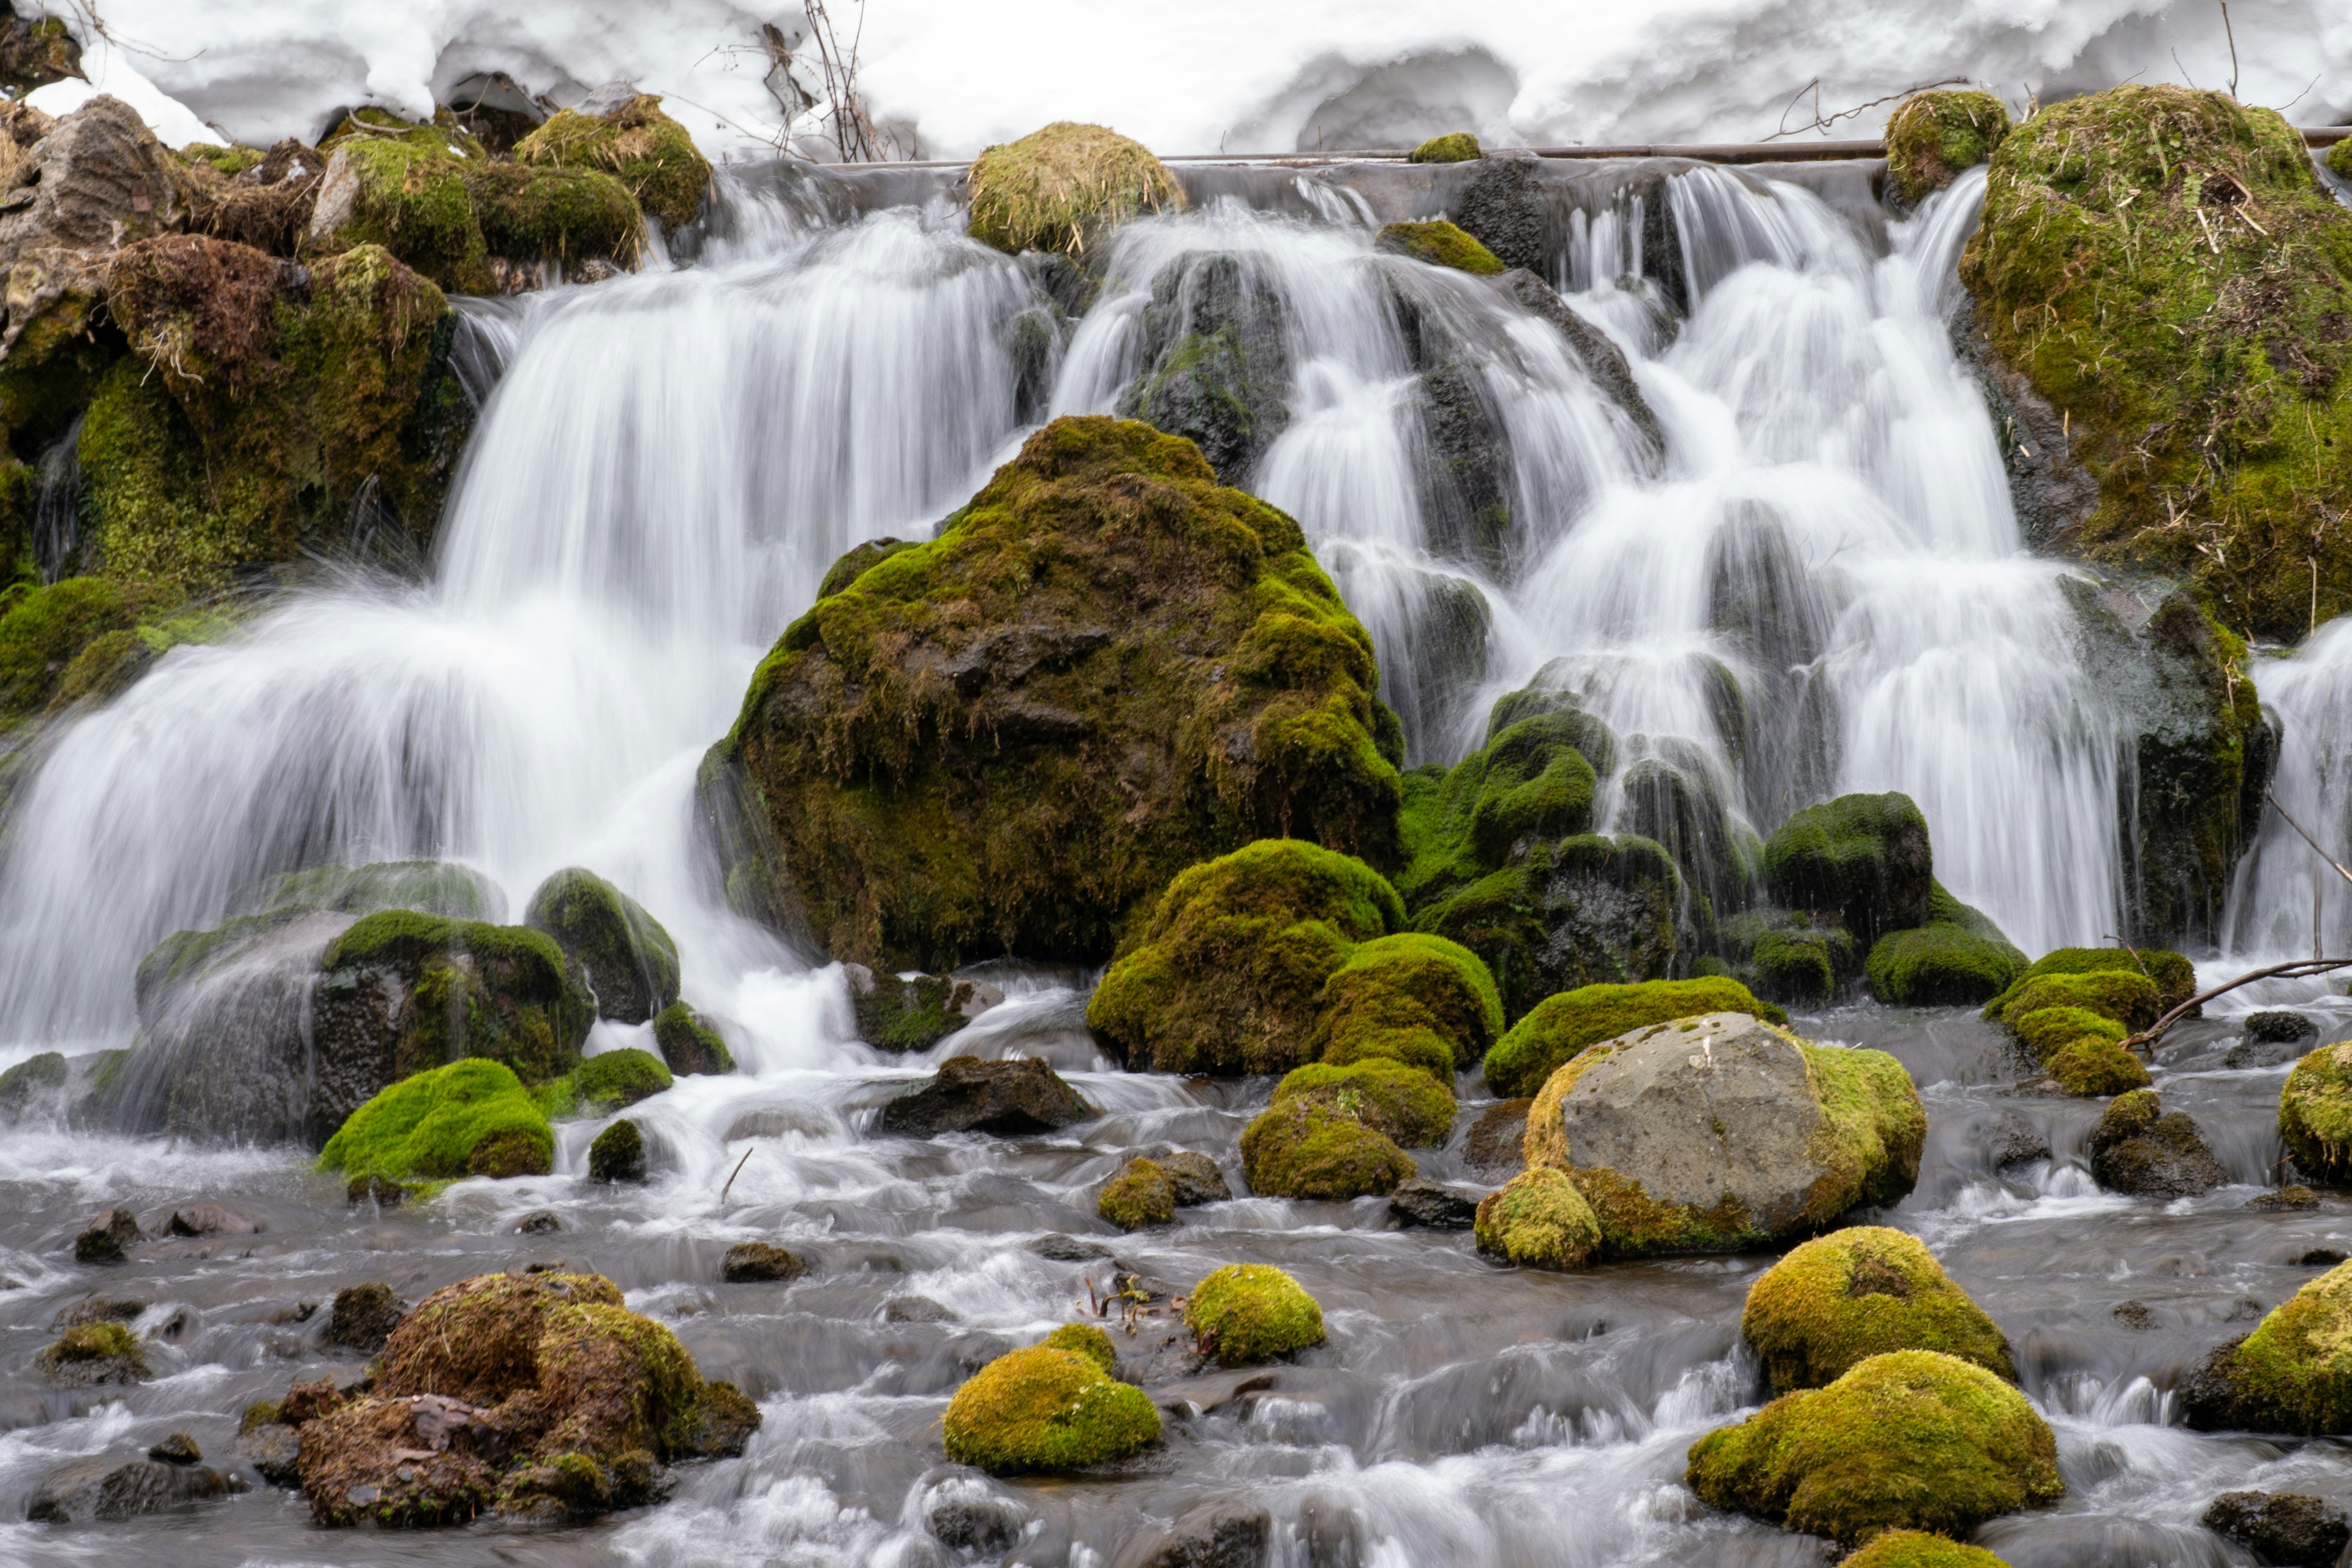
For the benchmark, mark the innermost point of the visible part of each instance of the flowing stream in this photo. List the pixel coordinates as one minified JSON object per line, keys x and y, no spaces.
{"x":1813,"y":583}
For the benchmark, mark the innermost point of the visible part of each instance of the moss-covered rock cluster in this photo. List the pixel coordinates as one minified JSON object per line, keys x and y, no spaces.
{"x":1855,"y":1293}
{"x":1932,"y":136}
{"x":1537,"y":1219}
{"x":1064,"y":188}
{"x":1053,"y":1406}
{"x":2071,"y":1009}
{"x":2315,"y":1115}
{"x":626,"y":957}
{"x":2162,"y":267}
{"x":1248,"y":1312}
{"x":1341,"y":1131}
{"x":2292,"y":1374}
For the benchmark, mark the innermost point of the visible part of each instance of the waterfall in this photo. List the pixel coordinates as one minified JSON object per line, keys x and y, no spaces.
{"x":2271,"y":893}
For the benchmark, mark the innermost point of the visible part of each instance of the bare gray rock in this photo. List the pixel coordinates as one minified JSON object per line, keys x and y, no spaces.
{"x":113,"y":1488}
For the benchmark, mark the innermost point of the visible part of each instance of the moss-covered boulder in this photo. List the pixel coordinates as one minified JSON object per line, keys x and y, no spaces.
{"x":1856,"y":1293}
{"x":1958,"y":959}
{"x":1395,"y":992}
{"x":1932,"y":136}
{"x":615,"y":1080}
{"x":2093,"y":1067}
{"x":2162,"y":265}
{"x":2292,"y":1374}
{"x":1105,"y":669}
{"x":2046,"y":1030}
{"x":1537,"y":1219}
{"x":2315,"y":1115}
{"x":1404,"y":1102}
{"x":650,"y":154}
{"x":1454,"y":147}
{"x":562,"y":215}
{"x":2140,"y":1147}
{"x":2123,"y":997}
{"x":618,"y":1154}
{"x":1541,"y":1043}
{"x":1918,"y":1548}
{"x":1440,"y":243}
{"x":1248,"y":1312}
{"x":1862,"y":858}
{"x":431,"y":886}
{"x":898,"y":1012}
{"x":1787,"y":956}
{"x":1795,"y":1134}
{"x":1909,"y":1440}
{"x":689,"y":1045}
{"x":540,"y":1396}
{"x":88,"y":1355}
{"x":1138,"y":1194}
{"x":628,"y":959}
{"x":1311,"y":1147}
{"x":1064,"y":188}
{"x":2172,"y":975}
{"x":1043,"y":1409}
{"x":469,"y":1119}
{"x":37,"y":1082}
{"x":1534,"y":780}
{"x":409,"y":197}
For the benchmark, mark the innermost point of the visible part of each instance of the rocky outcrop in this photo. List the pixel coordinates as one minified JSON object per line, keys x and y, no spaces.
{"x":897,"y":1014}
{"x":88,"y":184}
{"x":2140,"y":1147}
{"x":1216,"y":367}
{"x":1012,"y":1098}
{"x":626,"y":957}
{"x":114,"y":1487}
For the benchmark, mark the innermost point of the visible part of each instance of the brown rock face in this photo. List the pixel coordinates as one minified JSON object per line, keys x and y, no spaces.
{"x":97,"y":182}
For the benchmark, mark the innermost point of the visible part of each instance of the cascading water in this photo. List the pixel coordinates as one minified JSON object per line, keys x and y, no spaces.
{"x":1805,"y":580}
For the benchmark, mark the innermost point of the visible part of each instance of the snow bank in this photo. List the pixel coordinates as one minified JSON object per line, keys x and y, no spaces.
{"x":953,"y":76}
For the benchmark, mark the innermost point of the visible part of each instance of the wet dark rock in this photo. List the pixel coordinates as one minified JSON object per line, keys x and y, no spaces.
{"x":1602,"y":360}
{"x":1194,"y":1178}
{"x":975,"y":1523}
{"x":688,"y":1043}
{"x":2291,"y":1529}
{"x":113,"y":1489}
{"x":915,"y":1309}
{"x":275,"y":1450}
{"x":2012,"y":1140}
{"x":2140,"y":1148}
{"x":1432,"y":1205}
{"x":94,"y":1354}
{"x":2272,"y":1037}
{"x":109,"y":1235}
{"x":630,"y":961}
{"x":1217,"y":369}
{"x":2321,"y":1258}
{"x":1221,"y":1534}
{"x":2134,"y":1315}
{"x":97,"y":1309}
{"x":618,"y":1155}
{"x":363,"y":1317}
{"x":1496,"y":1147}
{"x":381,"y":1191}
{"x":753,"y":1262}
{"x":968,"y":1095}
{"x":179,"y":1448}
{"x":209,"y":1219}
{"x":1502,"y":208}
{"x":2286,"y":1198}
{"x":1069,"y":1248}
{"x":537,"y":1222}
{"x":896,"y":1013}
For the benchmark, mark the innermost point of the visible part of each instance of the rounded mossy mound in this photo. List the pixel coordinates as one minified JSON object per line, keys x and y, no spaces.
{"x":2094,"y":1067}
{"x":1797,"y":1135}
{"x":614,"y":1080}
{"x":1537,"y":1219}
{"x":1454,"y":147}
{"x":2046,"y":1030}
{"x":1440,"y":243}
{"x":1138,"y":1194}
{"x":1248,"y":1312}
{"x":1909,"y":1440}
{"x":1856,"y":1293}
{"x":412,"y":198}
{"x":1228,"y":974}
{"x":1403,"y":1102}
{"x":2315,"y":1115}
{"x":1864,"y":859}
{"x":689,"y":1045}
{"x":1940,"y":966}
{"x":2123,"y":997}
{"x":627,"y":956}
{"x":1410,"y":984}
{"x":2174,"y":977}
{"x":1086,"y":1340}
{"x":1064,"y":188}
{"x":1105,"y":667}
{"x":650,"y":154}
{"x":2162,"y":265}
{"x":618,"y":1154}
{"x":1312,"y":1148}
{"x":1541,"y":1043}
{"x":2292,"y":1374}
{"x":1045,"y":1409}
{"x":1932,"y":136}
{"x":470,"y":1118}
{"x":1919,"y":1548}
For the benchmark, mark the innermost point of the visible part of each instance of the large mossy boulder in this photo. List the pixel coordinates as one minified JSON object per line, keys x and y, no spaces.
{"x":540,"y":1396}
{"x":1228,"y":973}
{"x":1064,"y":188}
{"x":1958,"y":959}
{"x":627,"y":957}
{"x":1932,"y":136}
{"x":1794,"y":1135}
{"x":1908,"y":1440}
{"x":2292,"y":1374}
{"x":1862,"y":859}
{"x":1440,"y":243}
{"x":1047,"y":1408}
{"x":2164,"y":268}
{"x":2315,"y":1115}
{"x":1541,"y":1043}
{"x":1856,"y":1293}
{"x":1105,"y":667}
{"x":1248,"y":1312}
{"x":650,"y":154}
{"x":2173,"y":977}
{"x":1398,"y":996}
{"x":469,"y":1119}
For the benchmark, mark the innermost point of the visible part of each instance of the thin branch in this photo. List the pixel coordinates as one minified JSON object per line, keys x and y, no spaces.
{"x":2231,"y":33}
{"x":733,"y":1175}
{"x":1822,"y":122}
{"x":2301,"y":969}
{"x":2306,"y":837}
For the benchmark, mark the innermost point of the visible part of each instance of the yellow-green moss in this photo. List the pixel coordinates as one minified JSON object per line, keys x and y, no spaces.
{"x":1404,"y":1102}
{"x":1440,"y":243}
{"x":444,"y":1124}
{"x":432,"y":886}
{"x":1319,"y":1148}
{"x":417,"y":202}
{"x":2120,"y":996}
{"x":1856,"y":1293}
{"x":1251,"y":1311}
{"x":529,"y":212}
{"x":1087,"y":1341}
{"x":1139,"y":1194}
{"x":2046,"y":1030}
{"x":2294,"y":1373}
{"x":2174,"y":977}
{"x":689,"y":1045}
{"x":1454,"y":147}
{"x":44,"y":632}
{"x":2096,"y":1067}
{"x":1913,"y":1439}
{"x":1412,"y":982}
{"x":611,"y":1080}
{"x":80,"y":1354}
{"x":1064,"y":188}
{"x":2315,"y":1114}
{"x":1919,"y":1548}
{"x":1538,"y":1219}
{"x":1932,"y":136}
{"x":1541,"y":1043}
{"x":628,"y":956}
{"x":649,"y":153}
{"x":1862,"y":858}
{"x":1940,"y":966}
{"x":1045,"y":1409}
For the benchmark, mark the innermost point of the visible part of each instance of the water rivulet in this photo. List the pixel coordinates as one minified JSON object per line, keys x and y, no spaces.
{"x":1762,"y":528}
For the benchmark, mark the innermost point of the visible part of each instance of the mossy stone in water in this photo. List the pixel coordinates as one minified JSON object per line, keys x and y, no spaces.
{"x":2292,"y":1374}
{"x":1139,"y":1194}
{"x":618,"y":1154}
{"x":1248,"y":1312}
{"x":433,"y":886}
{"x":1864,"y":859}
{"x":2092,"y":1066}
{"x":1318,"y":1148}
{"x":629,"y":959}
{"x":2122,"y":996}
{"x":1045,"y":1409}
{"x":690,"y":1045}
{"x":1403,"y":1102}
{"x":1932,"y":136}
{"x":1411,"y":981}
{"x":1064,"y":188}
{"x":650,"y":154}
{"x":2315,"y":1115}
{"x":444,"y":1124}
{"x":1228,"y":974}
{"x":91,"y":1354}
{"x":2046,"y":1030}
{"x":1087,"y":1341}
{"x":1940,"y":966}
{"x":1541,"y":1043}
{"x":1454,"y":147}
{"x":1912,"y":1439}
{"x":1538,"y":1219}
{"x":1919,"y":1548}
{"x":32,"y":1080}
{"x":613,"y":1081}
{"x":569,"y":215}
{"x":1856,"y":1293}
{"x":2174,"y":977}
{"x":1534,"y":779}
{"x":1440,"y":243}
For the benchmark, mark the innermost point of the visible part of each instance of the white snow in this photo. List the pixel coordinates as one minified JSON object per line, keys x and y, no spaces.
{"x":1202,"y":75}
{"x":107,"y":69}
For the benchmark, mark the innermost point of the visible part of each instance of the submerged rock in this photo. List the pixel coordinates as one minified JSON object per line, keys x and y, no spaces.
{"x":618,"y":1154}
{"x":2139,"y":1147}
{"x":106,"y":1489}
{"x":2292,"y":1529}
{"x":1432,"y":1205}
{"x":1223,"y":1534}
{"x":760,"y":1262}
{"x":2269,"y":1037}
{"x":896,"y":1013}
{"x":108,"y":1238}
{"x":1855,"y":1293}
{"x":628,"y":959}
{"x":1010,"y":1097}
{"x":209,"y":1219}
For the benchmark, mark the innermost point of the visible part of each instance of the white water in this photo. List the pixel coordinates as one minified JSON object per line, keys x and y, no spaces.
{"x":2274,"y":890}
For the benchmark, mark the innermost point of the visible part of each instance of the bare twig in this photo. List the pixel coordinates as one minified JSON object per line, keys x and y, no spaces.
{"x":852,"y":129}
{"x":2301,"y":969}
{"x":2230,"y":33}
{"x":2305,"y":837}
{"x":1822,"y":122}
{"x":733,"y":1174}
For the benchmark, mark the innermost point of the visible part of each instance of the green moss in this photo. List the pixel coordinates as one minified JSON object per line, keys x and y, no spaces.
{"x":1087,"y":1341}
{"x":1862,"y":858}
{"x":1440,"y":243}
{"x":2315,"y":1114}
{"x":1043,"y":1409}
{"x":1538,"y":1219}
{"x":630,"y":962}
{"x":1360,"y":1040}
{"x":1140,"y":1195}
{"x":43,"y":634}
{"x":440,"y":135}
{"x":649,"y":153}
{"x":31,"y":1078}
{"x":617,"y":1153}
{"x":51,"y":371}
{"x":689,"y":1045}
{"x":1314,"y":1148}
{"x":436,"y":1124}
{"x":1918,"y":1548}
{"x":1248,"y":1312}
{"x":1454,"y":147}
{"x":1064,"y":188}
{"x":2172,"y":975}
{"x":1412,"y":981}
{"x":417,"y":202}
{"x":1856,"y":1293}
{"x":2044,"y":1030}
{"x":433,"y":886}
{"x":1534,"y":779}
{"x":1230,"y":972}
{"x":1940,"y":966}
{"x":2294,"y":1373}
{"x":86,"y":1346}
{"x":1562,"y":1025}
{"x":2120,"y":996}
{"x":1151,"y":669}
{"x":1403,"y":1102}
{"x":1932,"y":136}
{"x":2090,"y":1067}
{"x":1872,"y":1133}
{"x":2339,"y":159}
{"x":613,"y":1081}
{"x":1796,"y":967}
{"x":532,"y":214}
{"x":1908,"y":1440}
{"x":2162,"y":267}
{"x":456,"y":988}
